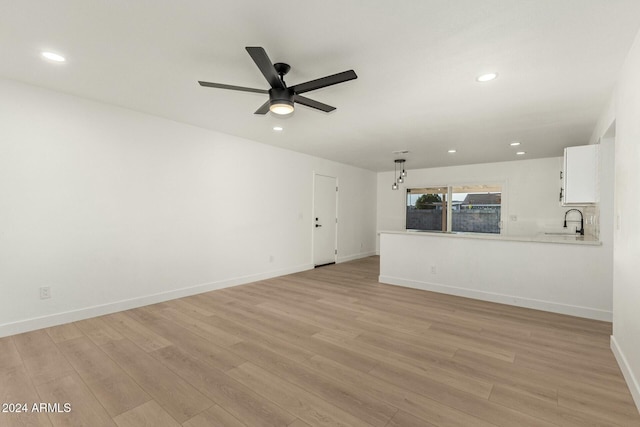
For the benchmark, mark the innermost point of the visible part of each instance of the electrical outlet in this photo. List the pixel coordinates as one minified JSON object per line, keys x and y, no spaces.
{"x":271,"y":258}
{"x":45,"y":292}
{"x":433,"y":269}
{"x":513,"y":217}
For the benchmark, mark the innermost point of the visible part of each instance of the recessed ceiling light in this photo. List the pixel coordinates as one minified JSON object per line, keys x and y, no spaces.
{"x":514,"y":144}
{"x":487,"y":77}
{"x":451,"y":151}
{"x":278,"y":128}
{"x":520,"y":153}
{"x":53,"y":56}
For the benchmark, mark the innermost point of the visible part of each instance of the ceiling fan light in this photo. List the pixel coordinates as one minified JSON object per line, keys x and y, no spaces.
{"x":281,"y":107}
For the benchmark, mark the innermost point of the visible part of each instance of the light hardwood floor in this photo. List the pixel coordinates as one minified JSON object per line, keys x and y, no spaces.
{"x":327,"y":347}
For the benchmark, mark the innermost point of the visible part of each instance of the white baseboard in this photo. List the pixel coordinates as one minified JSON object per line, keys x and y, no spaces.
{"x":554,"y":307}
{"x":627,"y":372}
{"x":32,"y":324}
{"x":355,"y":256}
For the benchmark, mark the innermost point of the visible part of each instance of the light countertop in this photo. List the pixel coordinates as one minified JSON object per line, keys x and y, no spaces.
{"x":570,"y":239}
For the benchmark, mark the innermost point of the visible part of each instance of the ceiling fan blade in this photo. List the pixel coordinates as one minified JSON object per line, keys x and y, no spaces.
{"x":324,"y":82}
{"x":264,"y":108}
{"x":313,"y":104}
{"x":265,"y":65}
{"x":221,"y":86}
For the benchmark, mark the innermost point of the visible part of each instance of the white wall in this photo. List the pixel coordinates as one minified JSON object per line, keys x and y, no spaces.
{"x":626,"y":253}
{"x":559,"y":277}
{"x":114,"y":208}
{"x":531,"y":192}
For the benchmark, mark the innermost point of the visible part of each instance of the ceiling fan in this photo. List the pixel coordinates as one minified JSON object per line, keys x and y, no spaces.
{"x":281,"y":97}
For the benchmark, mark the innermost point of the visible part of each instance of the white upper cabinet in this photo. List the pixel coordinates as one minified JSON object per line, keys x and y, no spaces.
{"x":580,"y":175}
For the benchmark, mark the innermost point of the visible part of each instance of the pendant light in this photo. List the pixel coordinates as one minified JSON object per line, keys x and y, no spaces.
{"x":395,"y":178}
{"x":398,"y":179}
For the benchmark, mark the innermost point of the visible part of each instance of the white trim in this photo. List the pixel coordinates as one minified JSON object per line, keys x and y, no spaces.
{"x":627,"y":372}
{"x":27,"y":325}
{"x":355,"y":256}
{"x":554,"y":307}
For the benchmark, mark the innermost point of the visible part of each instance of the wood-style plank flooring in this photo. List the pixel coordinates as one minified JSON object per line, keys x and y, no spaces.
{"x":327,"y":347}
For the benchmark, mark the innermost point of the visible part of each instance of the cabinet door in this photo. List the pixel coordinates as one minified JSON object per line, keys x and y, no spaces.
{"x":581,"y":174}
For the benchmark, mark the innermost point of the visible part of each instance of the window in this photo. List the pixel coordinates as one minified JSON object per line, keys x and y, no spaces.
{"x":461,"y":208}
{"x":427,"y":208}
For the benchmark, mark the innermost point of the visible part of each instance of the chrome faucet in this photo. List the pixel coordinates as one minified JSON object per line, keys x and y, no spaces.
{"x":581,"y":231}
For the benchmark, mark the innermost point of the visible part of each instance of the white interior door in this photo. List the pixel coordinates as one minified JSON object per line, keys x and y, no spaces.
{"x":325,"y":196}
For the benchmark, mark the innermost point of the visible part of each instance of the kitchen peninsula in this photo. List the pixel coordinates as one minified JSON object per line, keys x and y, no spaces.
{"x":558,"y":273}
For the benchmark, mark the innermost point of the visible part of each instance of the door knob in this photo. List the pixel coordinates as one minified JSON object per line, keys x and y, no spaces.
{"x":318,"y":225}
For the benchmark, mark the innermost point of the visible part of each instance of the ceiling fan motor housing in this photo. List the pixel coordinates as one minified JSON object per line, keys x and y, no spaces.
{"x":280,"y":96}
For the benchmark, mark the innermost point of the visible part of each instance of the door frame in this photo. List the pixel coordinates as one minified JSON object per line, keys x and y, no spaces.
{"x":313,"y":215}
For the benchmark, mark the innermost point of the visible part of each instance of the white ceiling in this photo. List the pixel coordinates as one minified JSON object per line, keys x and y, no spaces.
{"x":416,"y":61}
